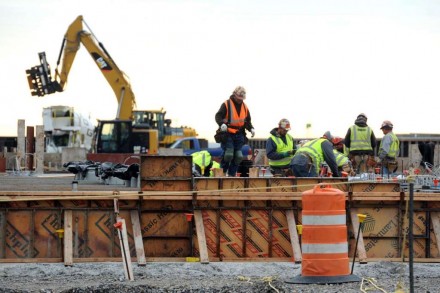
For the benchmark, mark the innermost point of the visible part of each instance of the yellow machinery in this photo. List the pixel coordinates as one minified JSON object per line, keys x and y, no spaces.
{"x":132,"y":128}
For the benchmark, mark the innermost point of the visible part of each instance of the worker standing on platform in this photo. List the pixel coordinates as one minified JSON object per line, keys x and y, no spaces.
{"x":280,"y":149}
{"x":360,"y":141}
{"x":388,"y":149}
{"x":233,"y":118}
{"x":308,"y":158}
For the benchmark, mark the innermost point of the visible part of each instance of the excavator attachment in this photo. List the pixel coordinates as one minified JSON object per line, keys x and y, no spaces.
{"x":40,"y":80}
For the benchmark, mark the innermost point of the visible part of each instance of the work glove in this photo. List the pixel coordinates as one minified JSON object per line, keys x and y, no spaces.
{"x":224,"y":127}
{"x":252,"y":132}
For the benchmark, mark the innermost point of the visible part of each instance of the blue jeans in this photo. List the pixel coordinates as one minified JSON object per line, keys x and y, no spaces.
{"x":234,"y":142}
{"x":302,"y":167}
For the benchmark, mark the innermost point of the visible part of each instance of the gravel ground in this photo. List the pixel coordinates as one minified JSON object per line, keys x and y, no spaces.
{"x":212,"y":277}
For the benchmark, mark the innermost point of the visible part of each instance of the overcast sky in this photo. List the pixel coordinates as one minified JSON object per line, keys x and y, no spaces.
{"x":320,"y":62}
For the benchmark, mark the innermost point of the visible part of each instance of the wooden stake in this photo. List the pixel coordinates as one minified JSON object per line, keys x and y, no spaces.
{"x":254,"y":172}
{"x":362,"y":254}
{"x":294,"y":239}
{"x":138,"y":241}
{"x":68,"y":238}
{"x":435,"y":218}
{"x":218,"y":172}
{"x":123,"y":241}
{"x":201,"y":237}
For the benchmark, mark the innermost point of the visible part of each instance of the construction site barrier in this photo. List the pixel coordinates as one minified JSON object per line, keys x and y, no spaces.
{"x":324,"y":237}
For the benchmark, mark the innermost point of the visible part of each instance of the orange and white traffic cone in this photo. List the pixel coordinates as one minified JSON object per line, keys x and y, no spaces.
{"x":324,"y":238}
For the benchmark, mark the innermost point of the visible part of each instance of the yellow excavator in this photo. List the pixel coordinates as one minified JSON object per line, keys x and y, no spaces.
{"x":132,"y":130}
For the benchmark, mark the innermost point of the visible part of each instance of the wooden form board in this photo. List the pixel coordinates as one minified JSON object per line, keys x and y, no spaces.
{"x":201,"y":237}
{"x":265,"y":226}
{"x":137,"y":235}
{"x":242,"y":218}
{"x":68,"y":238}
{"x":294,"y":239}
{"x":435,"y":218}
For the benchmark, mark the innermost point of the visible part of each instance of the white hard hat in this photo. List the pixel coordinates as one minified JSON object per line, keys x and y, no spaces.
{"x":387,"y":123}
{"x":284,"y":124}
{"x":240,"y":92}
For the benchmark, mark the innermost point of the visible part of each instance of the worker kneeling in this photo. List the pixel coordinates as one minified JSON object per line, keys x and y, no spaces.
{"x":342,"y":160}
{"x":203,"y":164}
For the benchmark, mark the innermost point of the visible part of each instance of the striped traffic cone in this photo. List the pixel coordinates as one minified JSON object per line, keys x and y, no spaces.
{"x":324,"y":238}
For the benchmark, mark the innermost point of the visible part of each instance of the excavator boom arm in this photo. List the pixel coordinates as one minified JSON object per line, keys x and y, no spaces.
{"x":74,"y":37}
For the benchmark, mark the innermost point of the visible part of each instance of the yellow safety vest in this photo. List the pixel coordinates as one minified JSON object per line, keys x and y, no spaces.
{"x":314,"y":150}
{"x":360,"y":138}
{"x":215,"y":165}
{"x":395,"y":145}
{"x":202,"y":159}
{"x":281,"y":148}
{"x":341,"y":159}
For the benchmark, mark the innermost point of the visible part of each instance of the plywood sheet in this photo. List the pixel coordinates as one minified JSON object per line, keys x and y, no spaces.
{"x":168,"y":248}
{"x":166,"y":185}
{"x":375,"y":187}
{"x":283,"y":185}
{"x":206,"y":184}
{"x":18,"y":235}
{"x":166,"y":166}
{"x":46,"y":240}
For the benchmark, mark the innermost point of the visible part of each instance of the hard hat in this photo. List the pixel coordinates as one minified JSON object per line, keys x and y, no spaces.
{"x":387,"y":124}
{"x":284,"y":124}
{"x":336,"y":140}
{"x":240,"y":92}
{"x":328,"y":135}
{"x":362,"y":115}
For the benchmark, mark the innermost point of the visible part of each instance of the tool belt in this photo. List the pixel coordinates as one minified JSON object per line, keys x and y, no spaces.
{"x":281,"y":172}
{"x":391,"y":164}
{"x":220,"y":136}
{"x":371,"y":161}
{"x":235,"y":127}
{"x":348,"y":168}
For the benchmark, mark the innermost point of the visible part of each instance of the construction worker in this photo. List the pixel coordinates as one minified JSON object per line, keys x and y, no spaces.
{"x":427,"y":151}
{"x":233,"y":118}
{"x":280,"y":148}
{"x":388,"y":149}
{"x":203,"y":164}
{"x":344,"y":164}
{"x":308,"y":158}
{"x":360,"y":141}
{"x":338,"y":144}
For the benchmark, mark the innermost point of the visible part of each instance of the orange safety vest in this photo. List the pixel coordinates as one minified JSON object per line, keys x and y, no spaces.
{"x":235,"y":121}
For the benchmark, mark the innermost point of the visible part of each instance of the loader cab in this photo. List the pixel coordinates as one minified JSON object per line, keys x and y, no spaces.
{"x":119,"y":136}
{"x":155,"y":119}
{"x":113,"y":136}
{"x":152,"y":119}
